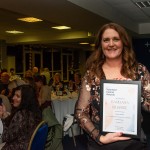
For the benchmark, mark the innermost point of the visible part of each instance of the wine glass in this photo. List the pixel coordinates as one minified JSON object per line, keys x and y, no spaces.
{"x":70,"y":88}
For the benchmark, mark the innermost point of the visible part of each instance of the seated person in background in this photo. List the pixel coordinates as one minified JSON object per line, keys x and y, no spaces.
{"x":28,"y":73}
{"x":13,"y":75}
{"x":13,"y":84}
{"x":29,"y":80}
{"x":46,"y":73}
{"x":3,"y":70}
{"x":35,"y":71}
{"x":20,"y":124}
{"x":43,"y":90}
{"x":75,"y":85}
{"x":57,"y":83}
{"x":12,"y":71}
{"x":4,"y":83}
{"x":54,"y":138}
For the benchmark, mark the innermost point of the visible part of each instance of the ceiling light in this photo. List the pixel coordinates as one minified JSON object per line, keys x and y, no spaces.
{"x":29,"y":19}
{"x":89,"y":34}
{"x":14,"y":32}
{"x":84,"y":43}
{"x":92,"y":45}
{"x":61,"y":27}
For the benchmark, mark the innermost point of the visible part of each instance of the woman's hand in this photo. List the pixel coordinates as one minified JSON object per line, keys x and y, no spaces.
{"x":146,"y":105}
{"x":3,"y":112}
{"x":112,"y":137}
{"x":3,"y":92}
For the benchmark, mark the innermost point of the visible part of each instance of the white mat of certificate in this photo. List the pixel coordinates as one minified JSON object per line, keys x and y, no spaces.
{"x":120,"y":108}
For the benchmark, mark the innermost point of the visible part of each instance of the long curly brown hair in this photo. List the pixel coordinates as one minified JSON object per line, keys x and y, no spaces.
{"x":96,"y":60}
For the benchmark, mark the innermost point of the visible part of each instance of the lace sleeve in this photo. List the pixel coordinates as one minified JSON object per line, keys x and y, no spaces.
{"x":82,"y":111}
{"x":145,"y":78}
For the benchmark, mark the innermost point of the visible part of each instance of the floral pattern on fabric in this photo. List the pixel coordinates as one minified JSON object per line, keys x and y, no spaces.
{"x":88,"y":105}
{"x":17,"y":135}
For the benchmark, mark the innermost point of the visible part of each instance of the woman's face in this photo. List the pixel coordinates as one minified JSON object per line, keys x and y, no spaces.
{"x":112,"y":45}
{"x":57,"y":78}
{"x":76,"y":78}
{"x":38,"y":84}
{"x":17,"y":98}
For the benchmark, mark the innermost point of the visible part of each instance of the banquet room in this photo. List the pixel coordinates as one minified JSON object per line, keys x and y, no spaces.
{"x":57,"y":37}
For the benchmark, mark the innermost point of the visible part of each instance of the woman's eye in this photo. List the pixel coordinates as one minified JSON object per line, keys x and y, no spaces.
{"x":105,"y":40}
{"x":116,"y":39}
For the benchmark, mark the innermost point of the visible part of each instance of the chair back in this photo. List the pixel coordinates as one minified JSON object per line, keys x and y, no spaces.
{"x":39,"y":136}
{"x":68,"y":123}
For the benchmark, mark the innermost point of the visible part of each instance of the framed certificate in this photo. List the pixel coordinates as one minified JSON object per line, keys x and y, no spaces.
{"x":120,"y":107}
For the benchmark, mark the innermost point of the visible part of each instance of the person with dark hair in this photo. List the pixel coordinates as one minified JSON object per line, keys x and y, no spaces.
{"x":13,"y":84}
{"x":25,"y":116}
{"x":54,"y":138}
{"x":113,"y":59}
{"x":43,"y":90}
{"x":4,"y":81}
{"x":30,"y":81}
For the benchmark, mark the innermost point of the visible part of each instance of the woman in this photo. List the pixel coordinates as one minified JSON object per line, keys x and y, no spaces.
{"x":113,"y":59}
{"x":57,"y":84}
{"x":25,"y":115}
{"x":54,"y":138}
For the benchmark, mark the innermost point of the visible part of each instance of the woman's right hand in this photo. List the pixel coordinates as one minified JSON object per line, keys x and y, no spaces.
{"x":3,"y":112}
{"x":112,"y":137}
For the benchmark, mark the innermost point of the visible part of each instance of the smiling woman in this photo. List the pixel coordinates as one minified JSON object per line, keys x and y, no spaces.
{"x":20,"y":124}
{"x":113,"y":59}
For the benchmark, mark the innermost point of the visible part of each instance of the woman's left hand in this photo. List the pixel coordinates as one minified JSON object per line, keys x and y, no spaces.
{"x":112,"y":137}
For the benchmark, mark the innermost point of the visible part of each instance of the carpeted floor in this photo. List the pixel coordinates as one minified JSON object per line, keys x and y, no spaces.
{"x":80,"y":141}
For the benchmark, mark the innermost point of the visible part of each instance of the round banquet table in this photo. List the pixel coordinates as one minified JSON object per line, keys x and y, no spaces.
{"x":63,"y":105}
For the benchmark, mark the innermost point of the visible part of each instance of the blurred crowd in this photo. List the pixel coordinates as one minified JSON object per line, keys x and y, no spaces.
{"x":27,"y":101}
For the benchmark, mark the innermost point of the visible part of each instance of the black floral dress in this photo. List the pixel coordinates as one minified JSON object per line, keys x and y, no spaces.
{"x":87,"y":109}
{"x":18,"y":133}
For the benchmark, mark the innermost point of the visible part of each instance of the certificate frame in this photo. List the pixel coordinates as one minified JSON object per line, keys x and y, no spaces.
{"x":120,"y":107}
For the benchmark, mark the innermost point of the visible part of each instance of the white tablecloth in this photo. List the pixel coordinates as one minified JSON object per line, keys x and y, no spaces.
{"x":63,"y":105}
